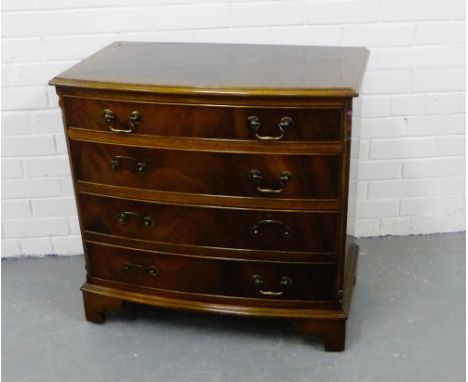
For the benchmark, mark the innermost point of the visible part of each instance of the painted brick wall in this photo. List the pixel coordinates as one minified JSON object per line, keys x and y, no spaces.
{"x":409,"y":139}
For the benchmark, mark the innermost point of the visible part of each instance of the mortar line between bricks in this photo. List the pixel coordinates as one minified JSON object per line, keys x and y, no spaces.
{"x":113,"y":7}
{"x":413,"y":115}
{"x":235,"y":28}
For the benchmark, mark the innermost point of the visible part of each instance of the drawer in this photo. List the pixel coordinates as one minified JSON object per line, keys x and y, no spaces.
{"x":220,"y":122}
{"x":210,"y":226}
{"x":248,"y":279}
{"x":252,"y":175}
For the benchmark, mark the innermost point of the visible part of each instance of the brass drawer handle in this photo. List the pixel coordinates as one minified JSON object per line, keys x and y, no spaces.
{"x":116,"y":164}
{"x":284,"y":283}
{"x":147,"y":221}
{"x":129,"y":267}
{"x":133,"y":121}
{"x":257,"y":229}
{"x":152,"y":270}
{"x":257,"y":177}
{"x":254,"y":125}
{"x":124,"y":216}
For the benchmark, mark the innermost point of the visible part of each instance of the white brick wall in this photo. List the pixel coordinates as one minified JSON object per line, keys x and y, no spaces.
{"x":409,"y":147}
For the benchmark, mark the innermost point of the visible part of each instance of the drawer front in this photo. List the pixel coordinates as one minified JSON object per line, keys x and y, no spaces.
{"x":212,"y":276}
{"x":278,"y":176}
{"x":212,"y":227}
{"x":221,"y":122}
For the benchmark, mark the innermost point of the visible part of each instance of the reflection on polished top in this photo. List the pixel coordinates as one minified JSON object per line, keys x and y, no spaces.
{"x":221,"y":68}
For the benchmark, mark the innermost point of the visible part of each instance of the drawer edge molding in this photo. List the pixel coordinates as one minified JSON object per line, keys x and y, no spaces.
{"x":186,"y":250}
{"x":186,"y":304}
{"x":199,"y":91}
{"x":189,"y":204}
{"x":205,"y":99}
{"x":206,"y":200}
{"x":310,"y":103}
{"x":205,"y":144}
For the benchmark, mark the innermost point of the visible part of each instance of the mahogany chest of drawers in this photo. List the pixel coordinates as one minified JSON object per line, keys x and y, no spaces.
{"x":214,"y":177}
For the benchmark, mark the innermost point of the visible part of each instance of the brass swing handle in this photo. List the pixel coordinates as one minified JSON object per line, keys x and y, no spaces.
{"x":285,"y":283}
{"x":257,"y":229}
{"x":133,"y":121}
{"x":124,"y":216}
{"x":129,"y":267}
{"x":257,"y":177}
{"x":254,"y":125}
{"x":116,"y":163}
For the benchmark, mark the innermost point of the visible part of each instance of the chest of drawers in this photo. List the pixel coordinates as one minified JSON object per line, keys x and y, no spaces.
{"x":214,"y":177}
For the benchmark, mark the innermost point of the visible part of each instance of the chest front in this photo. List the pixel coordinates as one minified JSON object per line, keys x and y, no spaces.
{"x":215,"y":191}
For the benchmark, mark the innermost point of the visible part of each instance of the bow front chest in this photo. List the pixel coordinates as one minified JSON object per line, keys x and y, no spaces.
{"x":214,"y":177}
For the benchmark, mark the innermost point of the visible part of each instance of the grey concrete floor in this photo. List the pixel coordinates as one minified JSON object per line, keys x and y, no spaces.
{"x":407,"y":324}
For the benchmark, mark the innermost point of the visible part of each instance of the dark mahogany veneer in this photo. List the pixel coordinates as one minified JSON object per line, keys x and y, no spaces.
{"x":214,"y":177}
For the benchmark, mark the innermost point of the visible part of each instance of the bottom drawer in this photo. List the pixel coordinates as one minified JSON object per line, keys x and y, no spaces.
{"x":236,"y":278}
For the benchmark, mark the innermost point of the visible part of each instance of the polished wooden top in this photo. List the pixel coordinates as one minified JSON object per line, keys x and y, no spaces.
{"x":221,"y":68}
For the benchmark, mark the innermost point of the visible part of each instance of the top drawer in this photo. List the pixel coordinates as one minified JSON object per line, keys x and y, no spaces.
{"x":210,"y":121}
